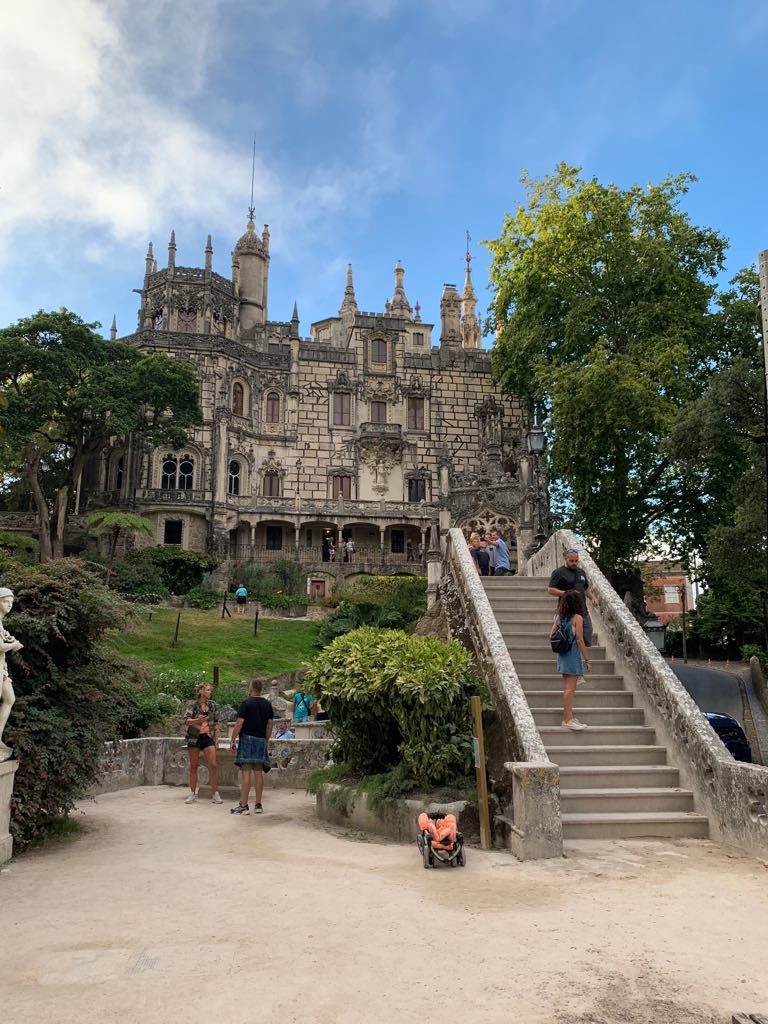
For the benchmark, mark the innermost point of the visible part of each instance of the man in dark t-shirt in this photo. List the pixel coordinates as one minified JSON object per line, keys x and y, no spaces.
{"x":570,"y":576}
{"x":251,"y":734}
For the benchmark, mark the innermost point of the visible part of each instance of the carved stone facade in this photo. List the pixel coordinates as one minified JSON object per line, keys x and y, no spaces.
{"x":365,"y":430}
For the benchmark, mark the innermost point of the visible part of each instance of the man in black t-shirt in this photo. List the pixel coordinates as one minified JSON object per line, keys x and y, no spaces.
{"x":251,"y":734}
{"x":571,"y":576}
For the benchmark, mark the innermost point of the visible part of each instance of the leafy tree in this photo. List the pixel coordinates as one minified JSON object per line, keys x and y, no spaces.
{"x":115,"y":523}
{"x":602,"y":309}
{"x":719,"y":443}
{"x":65,"y":391}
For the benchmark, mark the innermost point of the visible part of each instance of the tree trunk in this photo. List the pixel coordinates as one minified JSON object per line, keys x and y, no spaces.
{"x":41,"y":505}
{"x":60,"y":520}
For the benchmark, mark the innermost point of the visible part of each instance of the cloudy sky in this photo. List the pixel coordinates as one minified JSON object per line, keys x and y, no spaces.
{"x":384,"y":130}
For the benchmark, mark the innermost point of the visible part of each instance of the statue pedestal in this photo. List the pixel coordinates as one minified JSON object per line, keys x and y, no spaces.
{"x":7,"y":773}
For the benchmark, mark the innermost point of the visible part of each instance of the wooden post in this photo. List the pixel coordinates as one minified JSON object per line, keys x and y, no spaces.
{"x":215,"y":676}
{"x":176,"y":634}
{"x":224,"y":609}
{"x":256,"y":621}
{"x":482,"y":782}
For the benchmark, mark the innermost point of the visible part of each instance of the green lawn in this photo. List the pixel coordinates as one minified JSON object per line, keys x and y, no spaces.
{"x":205,"y":640}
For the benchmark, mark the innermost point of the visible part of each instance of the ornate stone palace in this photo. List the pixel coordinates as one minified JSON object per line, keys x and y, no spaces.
{"x":364,"y":430}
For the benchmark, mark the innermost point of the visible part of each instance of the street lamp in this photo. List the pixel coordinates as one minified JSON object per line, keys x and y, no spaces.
{"x":536,"y":442}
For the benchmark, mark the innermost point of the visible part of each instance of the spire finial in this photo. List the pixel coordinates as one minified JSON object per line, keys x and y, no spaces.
{"x":208,"y":253}
{"x":468,"y":254}
{"x":295,"y":321}
{"x":399,"y":304}
{"x":149,"y":261}
{"x":172,"y":250}
{"x":253,"y":178}
{"x":349,"y":302}
{"x":113,"y":329}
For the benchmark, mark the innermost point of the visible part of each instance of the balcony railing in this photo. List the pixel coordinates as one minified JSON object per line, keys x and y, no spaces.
{"x":190,"y":497}
{"x":314,"y":555}
{"x":372,"y":430}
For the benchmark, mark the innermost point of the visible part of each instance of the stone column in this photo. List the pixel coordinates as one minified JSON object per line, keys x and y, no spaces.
{"x":296,"y":539}
{"x":382,"y":531}
{"x":7,"y":773}
{"x":222,"y":461}
{"x":434,"y":565}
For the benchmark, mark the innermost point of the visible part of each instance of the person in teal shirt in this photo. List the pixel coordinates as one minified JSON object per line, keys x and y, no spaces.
{"x":241,"y":596}
{"x":303,"y":706}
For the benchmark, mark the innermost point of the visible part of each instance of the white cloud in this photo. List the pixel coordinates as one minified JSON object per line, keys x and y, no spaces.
{"x":104,"y":136}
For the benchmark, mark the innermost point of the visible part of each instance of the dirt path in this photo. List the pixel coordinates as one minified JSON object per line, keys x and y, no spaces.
{"x":163,"y":912}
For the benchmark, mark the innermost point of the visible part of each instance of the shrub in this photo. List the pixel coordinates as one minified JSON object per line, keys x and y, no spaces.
{"x":754,"y":651}
{"x":280,"y":601}
{"x":202,"y":597}
{"x":397,"y":699}
{"x":388,"y":602}
{"x":70,"y":696}
{"x":18,"y":546}
{"x":282,"y":576}
{"x":154,"y":569}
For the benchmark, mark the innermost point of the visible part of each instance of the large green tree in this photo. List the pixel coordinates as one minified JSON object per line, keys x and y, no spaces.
{"x":720,"y":445}
{"x":603,"y":317}
{"x":65,"y":391}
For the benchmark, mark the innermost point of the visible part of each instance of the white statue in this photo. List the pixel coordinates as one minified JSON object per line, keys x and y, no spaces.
{"x":7,"y":643}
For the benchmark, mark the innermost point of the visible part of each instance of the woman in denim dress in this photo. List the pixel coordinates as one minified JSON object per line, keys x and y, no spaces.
{"x":575,"y":661}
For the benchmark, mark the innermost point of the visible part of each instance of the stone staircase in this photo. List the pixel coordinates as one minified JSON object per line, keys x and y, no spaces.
{"x":615,"y":781}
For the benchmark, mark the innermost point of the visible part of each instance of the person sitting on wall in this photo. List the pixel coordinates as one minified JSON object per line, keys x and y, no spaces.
{"x":283,"y":732}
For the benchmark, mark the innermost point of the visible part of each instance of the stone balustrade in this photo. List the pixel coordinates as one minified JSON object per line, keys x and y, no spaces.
{"x":163,"y":761}
{"x":733,"y":795}
{"x":532,"y":812}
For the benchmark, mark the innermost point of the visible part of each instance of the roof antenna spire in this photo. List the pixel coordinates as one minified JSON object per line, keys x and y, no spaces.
{"x":468,"y":255}
{"x":253,"y":176}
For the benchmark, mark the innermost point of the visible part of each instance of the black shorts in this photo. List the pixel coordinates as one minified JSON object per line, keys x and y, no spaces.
{"x":203,"y":741}
{"x":242,"y":600}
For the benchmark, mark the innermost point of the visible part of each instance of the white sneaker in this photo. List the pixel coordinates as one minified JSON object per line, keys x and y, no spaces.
{"x":191,"y":799}
{"x":575,"y":725}
{"x":216,"y":798}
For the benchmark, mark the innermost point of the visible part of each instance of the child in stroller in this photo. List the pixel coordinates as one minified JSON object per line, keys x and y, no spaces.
{"x":439,"y":840}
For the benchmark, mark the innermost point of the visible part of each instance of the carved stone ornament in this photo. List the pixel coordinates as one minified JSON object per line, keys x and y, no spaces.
{"x":414,"y":387}
{"x":342,"y":382}
{"x":381,"y":456}
{"x":272,"y":465}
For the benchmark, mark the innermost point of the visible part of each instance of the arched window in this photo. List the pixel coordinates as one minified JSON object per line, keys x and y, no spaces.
{"x":234,"y":476}
{"x":378,"y":351}
{"x":177,"y":474}
{"x":273,"y":407}
{"x":168,"y":477}
{"x":238,"y":398}
{"x":186,"y":473}
{"x":119,"y":473}
{"x":271,"y":485}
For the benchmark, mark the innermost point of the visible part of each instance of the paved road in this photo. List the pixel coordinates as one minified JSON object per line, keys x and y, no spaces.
{"x":712,"y":689}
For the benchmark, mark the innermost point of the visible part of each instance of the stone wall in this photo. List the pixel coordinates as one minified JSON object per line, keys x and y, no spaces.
{"x":163,"y":761}
{"x":732,"y":794}
{"x":534,"y":826}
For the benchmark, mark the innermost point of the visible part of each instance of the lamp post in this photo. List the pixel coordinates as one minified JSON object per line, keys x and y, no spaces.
{"x":536,"y":442}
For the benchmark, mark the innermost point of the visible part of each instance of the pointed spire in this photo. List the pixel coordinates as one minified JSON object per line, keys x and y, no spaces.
{"x":113,"y":329}
{"x":208,"y":253}
{"x":470,"y":326}
{"x":149,"y":261}
{"x":265,"y":237}
{"x":172,"y":250}
{"x":349,"y":302}
{"x":399,"y":305}
{"x":295,"y":321}
{"x":417,"y":312}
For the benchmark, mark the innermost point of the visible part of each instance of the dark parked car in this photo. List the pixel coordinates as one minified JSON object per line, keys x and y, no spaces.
{"x":731,"y":734}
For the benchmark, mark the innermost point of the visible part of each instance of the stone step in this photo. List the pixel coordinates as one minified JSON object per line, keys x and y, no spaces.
{"x":539,"y":603}
{"x":584,"y":698}
{"x":635,"y":776}
{"x":545,"y":666}
{"x":652,"y":825}
{"x":514,"y":582}
{"x":621,"y":801}
{"x":622,"y":755}
{"x":592,"y":716}
{"x":536,"y":650}
{"x":554,"y":736}
{"x":554,"y":681}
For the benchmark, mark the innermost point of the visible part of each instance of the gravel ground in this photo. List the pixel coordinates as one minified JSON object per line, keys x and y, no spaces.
{"x":160,"y":911}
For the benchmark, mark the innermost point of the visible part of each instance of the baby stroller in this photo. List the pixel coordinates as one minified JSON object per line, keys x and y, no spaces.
{"x":440,"y":841}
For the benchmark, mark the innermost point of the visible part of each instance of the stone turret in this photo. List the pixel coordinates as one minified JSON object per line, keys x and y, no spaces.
{"x":208,"y":253}
{"x":250,"y":275}
{"x":450,"y":316}
{"x":398,"y":304}
{"x":295,"y":321}
{"x":113,"y":329}
{"x":149,"y":262}
{"x":172,"y":251}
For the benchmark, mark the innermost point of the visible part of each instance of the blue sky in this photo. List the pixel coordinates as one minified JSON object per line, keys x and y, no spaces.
{"x":384,"y":128}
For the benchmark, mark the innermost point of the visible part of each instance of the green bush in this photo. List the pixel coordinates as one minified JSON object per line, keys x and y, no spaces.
{"x":283,"y":576}
{"x":280,"y":602}
{"x":18,"y":546}
{"x":387,"y":602}
{"x":202,"y":597}
{"x":754,"y":651}
{"x":70,"y":696}
{"x":397,"y":699}
{"x":152,"y":570}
